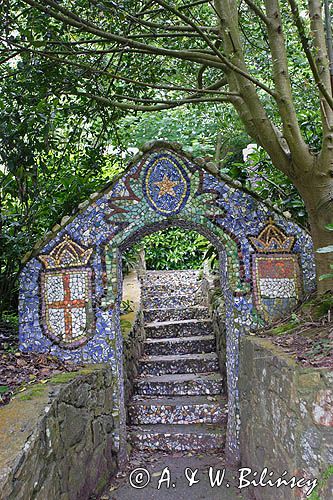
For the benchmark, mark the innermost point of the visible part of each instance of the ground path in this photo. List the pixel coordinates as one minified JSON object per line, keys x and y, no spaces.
{"x":155,"y":463}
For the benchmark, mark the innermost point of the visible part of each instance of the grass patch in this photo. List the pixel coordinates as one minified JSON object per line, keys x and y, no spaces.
{"x":126,"y":324}
{"x":284,"y":328}
{"x":62,"y":378}
{"x":33,"y":392}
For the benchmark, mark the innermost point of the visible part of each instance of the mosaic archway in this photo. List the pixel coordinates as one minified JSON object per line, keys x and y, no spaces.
{"x":71,"y":285}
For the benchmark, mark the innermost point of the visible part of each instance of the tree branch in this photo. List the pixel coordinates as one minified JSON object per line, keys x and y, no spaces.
{"x":10,"y":56}
{"x":317,"y":28}
{"x":211,"y":89}
{"x":67,"y":17}
{"x":218,"y":53}
{"x":305,"y":44}
{"x":291,"y":129}
{"x":137,"y":107}
{"x":150,"y":24}
{"x":182,"y":7}
{"x":248,"y":106}
{"x":179,"y":102}
{"x":257,"y":10}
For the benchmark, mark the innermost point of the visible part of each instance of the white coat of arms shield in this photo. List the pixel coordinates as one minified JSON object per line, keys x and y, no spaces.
{"x":66,"y":294}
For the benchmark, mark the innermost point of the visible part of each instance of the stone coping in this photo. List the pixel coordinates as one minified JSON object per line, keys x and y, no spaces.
{"x":19,"y":419}
{"x":277,"y":352}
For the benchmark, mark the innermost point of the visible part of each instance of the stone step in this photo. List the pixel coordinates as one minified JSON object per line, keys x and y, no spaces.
{"x":184,"y":363}
{"x":186,"y":345}
{"x":171,"y":438}
{"x":180,"y":278}
{"x":179,"y":385}
{"x":182,"y":328}
{"x":175,"y":314}
{"x":170,"y":289}
{"x":171,"y":301}
{"x":178,"y":410}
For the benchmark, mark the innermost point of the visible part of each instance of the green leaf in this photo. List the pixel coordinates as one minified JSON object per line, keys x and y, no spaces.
{"x":37,"y":43}
{"x":325,"y":276}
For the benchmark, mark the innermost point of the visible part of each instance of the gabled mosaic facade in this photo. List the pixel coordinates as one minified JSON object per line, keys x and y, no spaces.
{"x":71,"y":287}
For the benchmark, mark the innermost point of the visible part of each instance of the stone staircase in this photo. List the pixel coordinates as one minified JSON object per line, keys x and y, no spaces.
{"x":178,"y":402}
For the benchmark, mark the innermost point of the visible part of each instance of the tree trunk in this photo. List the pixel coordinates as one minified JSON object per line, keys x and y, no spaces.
{"x":317,"y":193}
{"x":218,"y":149}
{"x":321,"y":238}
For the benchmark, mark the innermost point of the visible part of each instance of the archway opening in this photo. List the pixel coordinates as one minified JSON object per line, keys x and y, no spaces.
{"x":177,"y":398}
{"x":172,"y":249}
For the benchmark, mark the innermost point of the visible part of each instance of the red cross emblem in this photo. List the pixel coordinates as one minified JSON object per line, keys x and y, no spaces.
{"x":67,"y":305}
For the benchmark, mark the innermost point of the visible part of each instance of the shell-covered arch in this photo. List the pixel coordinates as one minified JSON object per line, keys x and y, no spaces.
{"x":70,"y":286}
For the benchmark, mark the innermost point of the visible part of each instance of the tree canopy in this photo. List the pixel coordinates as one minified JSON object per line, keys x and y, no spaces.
{"x":79,"y":76}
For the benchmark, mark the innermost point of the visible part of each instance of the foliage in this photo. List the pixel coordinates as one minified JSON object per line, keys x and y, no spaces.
{"x":126,"y":327}
{"x":175,"y":248}
{"x":210,"y":254}
{"x":130,"y":259}
{"x":259,"y":175}
{"x":196,"y":128}
{"x":126,"y":306}
{"x":50,"y":161}
{"x":10,"y":319}
{"x":68,"y":91}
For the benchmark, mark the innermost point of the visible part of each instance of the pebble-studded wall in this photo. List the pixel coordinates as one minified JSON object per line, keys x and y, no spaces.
{"x":71,"y":285}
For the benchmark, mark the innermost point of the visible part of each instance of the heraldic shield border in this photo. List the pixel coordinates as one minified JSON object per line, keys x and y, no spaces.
{"x":66,"y":284}
{"x":276,"y":274}
{"x":277,"y":284}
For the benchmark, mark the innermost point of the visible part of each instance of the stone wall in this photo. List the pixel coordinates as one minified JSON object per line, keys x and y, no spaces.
{"x":219,"y":327}
{"x":58,"y":440}
{"x":216,"y":303}
{"x":133,"y":351}
{"x":132,"y":329}
{"x":286,"y":418}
